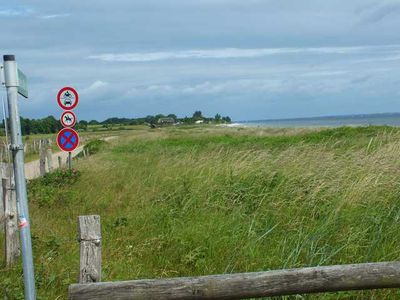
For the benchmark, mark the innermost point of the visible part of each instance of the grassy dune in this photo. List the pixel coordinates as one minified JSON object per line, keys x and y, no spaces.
{"x":181,"y":202}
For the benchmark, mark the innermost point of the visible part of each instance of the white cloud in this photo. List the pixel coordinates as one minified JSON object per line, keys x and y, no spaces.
{"x":95,"y":86}
{"x":54,"y":16}
{"x":226,"y":53}
{"x":14,"y":12}
{"x":246,"y":86}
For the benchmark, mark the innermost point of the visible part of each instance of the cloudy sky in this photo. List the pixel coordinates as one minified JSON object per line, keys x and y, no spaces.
{"x":252,"y":59}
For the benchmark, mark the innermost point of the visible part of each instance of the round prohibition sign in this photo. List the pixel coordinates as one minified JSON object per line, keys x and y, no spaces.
{"x":68,"y":119}
{"x":68,"y":139}
{"x":67,"y":98}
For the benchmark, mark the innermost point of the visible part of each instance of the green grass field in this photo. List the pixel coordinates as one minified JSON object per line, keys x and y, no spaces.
{"x":197,"y":201}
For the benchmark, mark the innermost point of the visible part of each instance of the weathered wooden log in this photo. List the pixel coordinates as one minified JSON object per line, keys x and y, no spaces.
{"x":89,"y":236}
{"x":11,"y":239}
{"x":248,"y":285}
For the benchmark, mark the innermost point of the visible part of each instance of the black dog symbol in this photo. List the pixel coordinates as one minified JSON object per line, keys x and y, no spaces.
{"x":68,"y":119}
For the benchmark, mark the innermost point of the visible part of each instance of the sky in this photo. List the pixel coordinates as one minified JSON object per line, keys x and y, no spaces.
{"x":251,"y":60}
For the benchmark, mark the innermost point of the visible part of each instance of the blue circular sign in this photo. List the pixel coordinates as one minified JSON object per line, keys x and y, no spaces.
{"x":68,"y":139}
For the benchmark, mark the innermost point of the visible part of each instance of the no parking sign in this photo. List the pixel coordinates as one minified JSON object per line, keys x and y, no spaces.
{"x":68,"y":139}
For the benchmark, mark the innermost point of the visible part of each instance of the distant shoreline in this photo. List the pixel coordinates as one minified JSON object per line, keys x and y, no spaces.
{"x":389,"y":119}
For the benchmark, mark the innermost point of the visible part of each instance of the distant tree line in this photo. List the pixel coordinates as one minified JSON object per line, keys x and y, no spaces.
{"x":150,"y":119}
{"x":52,"y":125}
{"x":43,"y":126}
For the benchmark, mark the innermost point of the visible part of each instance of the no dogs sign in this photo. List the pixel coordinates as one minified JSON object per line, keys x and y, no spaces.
{"x":68,"y":119}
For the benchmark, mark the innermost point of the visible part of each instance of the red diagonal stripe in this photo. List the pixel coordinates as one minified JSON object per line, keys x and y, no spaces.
{"x":68,"y":140}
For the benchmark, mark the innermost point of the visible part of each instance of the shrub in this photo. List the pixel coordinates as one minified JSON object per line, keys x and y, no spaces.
{"x":95,"y":146}
{"x":47,"y":189}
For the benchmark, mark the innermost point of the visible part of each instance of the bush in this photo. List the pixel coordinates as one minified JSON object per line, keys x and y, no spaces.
{"x":46,"y":190}
{"x":61,"y":177}
{"x":95,"y":146}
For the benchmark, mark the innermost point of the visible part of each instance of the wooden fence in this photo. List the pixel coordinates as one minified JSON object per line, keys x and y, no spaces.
{"x":228,"y":286}
{"x":8,"y":204}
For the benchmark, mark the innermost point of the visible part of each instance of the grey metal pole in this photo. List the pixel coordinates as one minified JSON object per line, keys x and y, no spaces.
{"x":70,"y":160}
{"x":11,"y":81}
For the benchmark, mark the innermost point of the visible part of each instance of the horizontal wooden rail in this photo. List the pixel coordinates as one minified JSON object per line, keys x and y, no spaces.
{"x":248,"y":285}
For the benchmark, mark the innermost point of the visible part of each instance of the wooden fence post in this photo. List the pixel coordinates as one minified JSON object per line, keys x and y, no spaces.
{"x":89,"y":236}
{"x":42,"y":159}
{"x":5,"y":172}
{"x":2,"y":208}
{"x":49,"y":157}
{"x":11,"y":248}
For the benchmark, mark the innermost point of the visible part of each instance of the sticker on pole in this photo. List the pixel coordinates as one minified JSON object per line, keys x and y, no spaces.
{"x":68,"y":119}
{"x":67,"y":98}
{"x":67,"y":139}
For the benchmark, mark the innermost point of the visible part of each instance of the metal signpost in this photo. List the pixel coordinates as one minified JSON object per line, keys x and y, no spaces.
{"x":16,"y":83}
{"x":67,"y":138}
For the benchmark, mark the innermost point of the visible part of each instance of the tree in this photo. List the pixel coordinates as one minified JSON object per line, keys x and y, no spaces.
{"x":226,"y":119}
{"x":82,"y":125}
{"x":150,"y":119}
{"x":217,"y":118}
{"x":172,"y":116}
{"x":197,"y":115}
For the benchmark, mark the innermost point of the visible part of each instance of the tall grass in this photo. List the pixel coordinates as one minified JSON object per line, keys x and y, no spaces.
{"x":179,"y":202}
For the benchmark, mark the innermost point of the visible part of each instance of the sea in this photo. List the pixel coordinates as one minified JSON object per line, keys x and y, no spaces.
{"x":389,"y":119}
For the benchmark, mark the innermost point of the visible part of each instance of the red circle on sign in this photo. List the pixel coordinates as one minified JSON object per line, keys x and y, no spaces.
{"x":66,"y":117}
{"x":63,"y":106}
{"x":68,"y":139}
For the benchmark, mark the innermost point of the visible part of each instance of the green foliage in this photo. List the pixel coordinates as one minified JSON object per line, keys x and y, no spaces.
{"x":208,"y":201}
{"x":341,"y":138}
{"x":59,"y":178}
{"x":197,"y":115}
{"x":45,"y":125}
{"x":52,"y":187}
{"x":94,"y":146}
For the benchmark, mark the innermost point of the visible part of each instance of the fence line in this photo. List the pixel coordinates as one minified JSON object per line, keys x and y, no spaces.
{"x":248,"y":285}
{"x":228,"y":286}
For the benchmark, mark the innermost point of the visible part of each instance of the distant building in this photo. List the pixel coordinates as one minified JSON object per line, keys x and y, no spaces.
{"x":166,"y":121}
{"x":199,"y":122}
